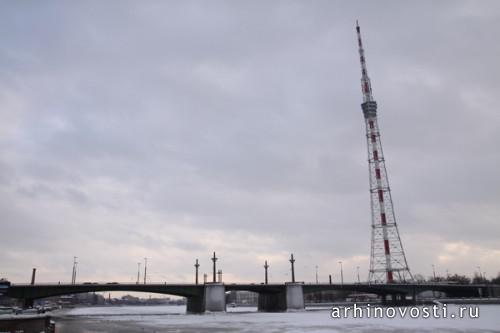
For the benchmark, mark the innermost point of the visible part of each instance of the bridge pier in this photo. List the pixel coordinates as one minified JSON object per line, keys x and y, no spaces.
{"x":291,"y":297}
{"x":275,"y":302}
{"x":294,"y":296}
{"x":486,"y":291}
{"x":493,"y":291}
{"x":271,"y":302}
{"x":28,"y":303}
{"x":195,"y":304}
{"x":212,"y":299}
{"x":414,"y":297}
{"x":215,"y":297}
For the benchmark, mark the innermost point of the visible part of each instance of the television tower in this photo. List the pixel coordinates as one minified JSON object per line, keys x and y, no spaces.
{"x":387,"y":261}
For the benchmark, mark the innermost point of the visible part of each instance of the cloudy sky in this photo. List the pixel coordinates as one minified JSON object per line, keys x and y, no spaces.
{"x":172,"y":129}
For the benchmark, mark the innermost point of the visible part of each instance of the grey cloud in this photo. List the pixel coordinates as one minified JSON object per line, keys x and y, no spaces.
{"x":145,"y":129}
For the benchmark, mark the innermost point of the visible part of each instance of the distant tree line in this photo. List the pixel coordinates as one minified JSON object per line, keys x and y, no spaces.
{"x":461,"y":279}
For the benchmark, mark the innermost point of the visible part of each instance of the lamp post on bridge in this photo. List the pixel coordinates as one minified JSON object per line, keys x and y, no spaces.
{"x":33,"y":274}
{"x":359,"y":281}
{"x":292,"y":261}
{"x":196,"y":268}
{"x":341,"y":274}
{"x":214,"y":259}
{"x":76,"y":270}
{"x":138,"y":272}
{"x":482,"y":275}
{"x":73,"y":275}
{"x":434,"y":275}
{"x":145,"y":268}
{"x":266,"y":266}
{"x":317,"y":274}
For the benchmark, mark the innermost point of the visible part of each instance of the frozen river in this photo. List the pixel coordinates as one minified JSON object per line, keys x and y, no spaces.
{"x":245,"y":319}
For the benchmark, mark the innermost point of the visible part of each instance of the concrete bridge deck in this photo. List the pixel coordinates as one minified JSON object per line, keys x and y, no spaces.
{"x":272,"y":297}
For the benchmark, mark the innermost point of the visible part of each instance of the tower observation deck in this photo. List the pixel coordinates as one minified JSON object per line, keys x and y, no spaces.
{"x":387,"y":260}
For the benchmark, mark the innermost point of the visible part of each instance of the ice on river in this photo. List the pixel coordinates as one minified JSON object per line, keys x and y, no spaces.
{"x":246,"y":319}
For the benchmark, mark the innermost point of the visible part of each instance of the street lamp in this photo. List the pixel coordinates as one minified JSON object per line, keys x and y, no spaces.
{"x":434,"y":274}
{"x":316,"y":274}
{"x":196,"y":266}
{"x":357,"y":268}
{"x":480,"y":274}
{"x":266,"y":267}
{"x":341,"y":273}
{"x":75,"y":264}
{"x":73,"y":272}
{"x":138,"y":272}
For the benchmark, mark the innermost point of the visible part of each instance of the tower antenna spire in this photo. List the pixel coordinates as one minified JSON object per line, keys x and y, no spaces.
{"x":366,"y":86}
{"x":387,"y":260}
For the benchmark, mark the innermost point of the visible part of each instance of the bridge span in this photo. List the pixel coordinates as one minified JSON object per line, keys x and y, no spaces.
{"x":271,"y":297}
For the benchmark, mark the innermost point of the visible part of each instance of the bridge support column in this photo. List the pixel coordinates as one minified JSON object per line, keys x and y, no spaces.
{"x":414,"y":297}
{"x":195,"y":304}
{"x":485,"y":291}
{"x":493,"y":291}
{"x":215,"y":297}
{"x":272,"y":302}
{"x":290,"y":298}
{"x":294,"y":296}
{"x":28,"y":303}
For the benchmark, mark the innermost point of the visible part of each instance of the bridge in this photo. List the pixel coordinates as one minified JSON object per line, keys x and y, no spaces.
{"x":271,"y":297}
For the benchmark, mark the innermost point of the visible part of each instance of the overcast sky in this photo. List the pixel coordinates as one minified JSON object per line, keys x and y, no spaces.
{"x":172,"y":129}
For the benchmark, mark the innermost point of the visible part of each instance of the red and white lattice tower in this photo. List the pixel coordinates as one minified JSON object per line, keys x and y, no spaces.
{"x":387,"y":262}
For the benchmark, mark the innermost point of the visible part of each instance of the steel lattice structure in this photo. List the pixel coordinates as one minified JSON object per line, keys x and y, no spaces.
{"x":387,"y":261}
